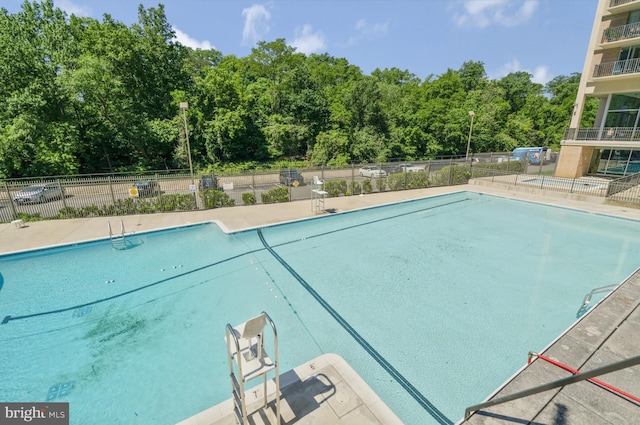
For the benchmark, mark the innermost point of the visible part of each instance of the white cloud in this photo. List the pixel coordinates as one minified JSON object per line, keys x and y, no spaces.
{"x":184,"y":39}
{"x":367,"y":32}
{"x":508,"y":13}
{"x":256,"y":23}
{"x":73,"y":9}
{"x":307,"y":41}
{"x":540,"y":75}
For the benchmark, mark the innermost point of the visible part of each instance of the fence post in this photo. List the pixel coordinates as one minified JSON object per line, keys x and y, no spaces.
{"x":253,"y":184}
{"x":62,"y":194}
{"x":572,"y":183}
{"x":113,"y":196}
{"x":13,"y":207}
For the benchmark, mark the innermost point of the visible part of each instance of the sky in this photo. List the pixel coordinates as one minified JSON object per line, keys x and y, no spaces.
{"x":546,"y":38}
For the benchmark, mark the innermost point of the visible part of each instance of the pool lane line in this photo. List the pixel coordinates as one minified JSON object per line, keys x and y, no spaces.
{"x":376,"y":221}
{"x":413,"y":391}
{"x":9,"y":318}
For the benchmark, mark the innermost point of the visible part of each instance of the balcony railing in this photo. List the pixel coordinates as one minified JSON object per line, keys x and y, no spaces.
{"x":615,"y":3}
{"x":621,"y":33}
{"x":629,"y":134}
{"x":607,"y":69}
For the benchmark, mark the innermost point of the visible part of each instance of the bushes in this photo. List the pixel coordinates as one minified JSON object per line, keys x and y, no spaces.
{"x":412,"y":180}
{"x":29,"y":217}
{"x":248,"y":198}
{"x":454,"y":174}
{"x":278,"y":194}
{"x":367,"y":186}
{"x":381,"y":183}
{"x":129,"y":206}
{"x":177,"y":202}
{"x":355,"y":188}
{"x":215,"y":199}
{"x":335,"y":188}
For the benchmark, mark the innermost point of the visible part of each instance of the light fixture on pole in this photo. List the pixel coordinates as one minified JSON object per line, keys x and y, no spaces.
{"x":473,"y":114}
{"x":184,"y":106}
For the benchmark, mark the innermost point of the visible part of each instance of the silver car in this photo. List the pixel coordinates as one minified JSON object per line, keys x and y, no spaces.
{"x":39,"y":193}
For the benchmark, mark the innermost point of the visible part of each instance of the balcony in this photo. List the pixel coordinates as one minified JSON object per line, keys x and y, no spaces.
{"x":624,"y":32}
{"x":615,"y":3}
{"x":608,"y":69}
{"x":621,"y":6}
{"x":606,"y":135}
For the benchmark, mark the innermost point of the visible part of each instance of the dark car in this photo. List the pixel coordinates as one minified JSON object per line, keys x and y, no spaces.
{"x":145,"y":188}
{"x":208,"y":183}
{"x":291,"y":177}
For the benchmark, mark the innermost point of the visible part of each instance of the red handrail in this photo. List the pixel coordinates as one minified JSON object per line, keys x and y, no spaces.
{"x":592,"y":380}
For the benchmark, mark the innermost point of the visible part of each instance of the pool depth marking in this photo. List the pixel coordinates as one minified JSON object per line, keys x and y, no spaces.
{"x":413,"y":391}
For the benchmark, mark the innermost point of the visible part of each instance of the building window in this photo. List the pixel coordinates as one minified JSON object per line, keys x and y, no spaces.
{"x":616,"y":162}
{"x":623,"y":110}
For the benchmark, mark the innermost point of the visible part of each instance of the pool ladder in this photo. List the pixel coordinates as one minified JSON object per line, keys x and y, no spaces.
{"x":118,"y":241}
{"x":587,"y":298}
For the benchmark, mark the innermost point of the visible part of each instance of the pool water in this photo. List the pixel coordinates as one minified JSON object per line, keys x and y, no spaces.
{"x":434,"y":302}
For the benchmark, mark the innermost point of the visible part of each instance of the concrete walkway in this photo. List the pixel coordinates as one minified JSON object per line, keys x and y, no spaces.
{"x":56,"y":232}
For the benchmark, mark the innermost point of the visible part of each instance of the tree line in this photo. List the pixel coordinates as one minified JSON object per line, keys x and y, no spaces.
{"x":87,"y":96}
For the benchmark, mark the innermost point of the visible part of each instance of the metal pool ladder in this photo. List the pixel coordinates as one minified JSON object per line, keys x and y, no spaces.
{"x":246,"y":348}
{"x":118,"y":241}
{"x":587,"y":298}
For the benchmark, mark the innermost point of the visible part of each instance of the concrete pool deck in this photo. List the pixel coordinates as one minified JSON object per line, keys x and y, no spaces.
{"x":606,"y":334}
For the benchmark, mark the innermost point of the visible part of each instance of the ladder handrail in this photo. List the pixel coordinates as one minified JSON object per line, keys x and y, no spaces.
{"x":613,"y":367}
{"x":587,"y":298}
{"x":121,"y":236}
{"x":592,"y":380}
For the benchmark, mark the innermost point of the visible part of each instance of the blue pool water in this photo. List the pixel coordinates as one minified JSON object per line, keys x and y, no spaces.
{"x":434,"y":302}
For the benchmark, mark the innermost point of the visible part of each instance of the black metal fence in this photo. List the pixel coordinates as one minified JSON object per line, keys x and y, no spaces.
{"x":135,"y":193}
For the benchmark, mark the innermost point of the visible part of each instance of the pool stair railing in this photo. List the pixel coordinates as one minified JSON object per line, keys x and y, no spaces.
{"x":246,"y":350}
{"x":576,"y":377}
{"x":118,"y":241}
{"x":587,"y":298}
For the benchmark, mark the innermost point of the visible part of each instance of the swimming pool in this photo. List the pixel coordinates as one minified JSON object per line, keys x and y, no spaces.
{"x":434,"y":303}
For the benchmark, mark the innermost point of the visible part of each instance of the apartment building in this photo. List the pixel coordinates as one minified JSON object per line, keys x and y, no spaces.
{"x":610,"y":146}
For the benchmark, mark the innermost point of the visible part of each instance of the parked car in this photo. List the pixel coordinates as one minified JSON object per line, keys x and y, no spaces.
{"x":39,"y":193}
{"x":208,"y":183}
{"x":404,"y":168}
{"x":372,"y":171}
{"x":145,"y":188}
{"x":291,"y":177}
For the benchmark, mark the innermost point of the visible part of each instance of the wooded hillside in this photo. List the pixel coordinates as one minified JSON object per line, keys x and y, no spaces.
{"x":87,"y":96}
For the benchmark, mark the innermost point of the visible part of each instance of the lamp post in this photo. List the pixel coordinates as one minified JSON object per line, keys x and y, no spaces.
{"x":473,"y":114}
{"x":184,"y":106}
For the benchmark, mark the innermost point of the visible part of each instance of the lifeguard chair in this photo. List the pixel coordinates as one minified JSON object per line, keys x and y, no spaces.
{"x":246,"y":348}
{"x":318,"y":194}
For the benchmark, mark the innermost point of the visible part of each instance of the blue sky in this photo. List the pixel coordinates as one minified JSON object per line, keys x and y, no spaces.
{"x":545,"y":38}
